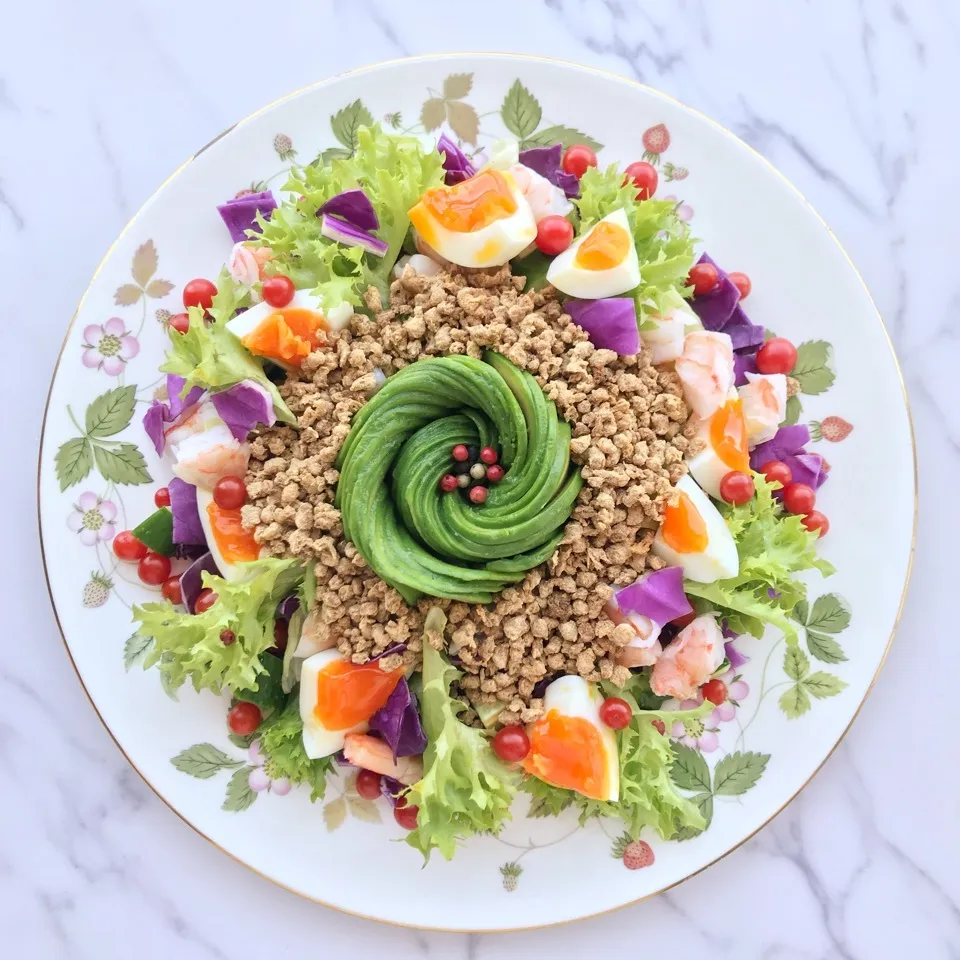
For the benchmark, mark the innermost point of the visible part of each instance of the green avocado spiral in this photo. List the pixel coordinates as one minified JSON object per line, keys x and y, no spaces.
{"x":421,"y":540}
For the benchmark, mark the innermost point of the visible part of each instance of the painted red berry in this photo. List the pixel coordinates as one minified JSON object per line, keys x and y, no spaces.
{"x":488,"y":455}
{"x":833,"y":429}
{"x":495,"y":473}
{"x":656,"y":140}
{"x":448,"y":482}
{"x":460,"y":452}
{"x":659,"y":726}
{"x":477,"y":494}
{"x":638,"y":854}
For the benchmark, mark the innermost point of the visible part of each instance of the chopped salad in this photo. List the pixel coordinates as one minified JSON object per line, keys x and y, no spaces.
{"x":477,"y":474}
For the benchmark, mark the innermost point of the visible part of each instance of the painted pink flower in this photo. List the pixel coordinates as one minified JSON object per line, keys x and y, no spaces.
{"x":683,"y":210}
{"x":109,"y":346}
{"x":258,"y":778}
{"x":92,"y":519}
{"x":703,"y":733}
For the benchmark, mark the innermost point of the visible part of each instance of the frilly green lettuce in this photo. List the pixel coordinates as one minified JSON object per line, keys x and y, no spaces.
{"x":188,"y":646}
{"x":281,"y":742}
{"x":465,"y":788}
{"x":210,"y":356}
{"x":393,"y":172}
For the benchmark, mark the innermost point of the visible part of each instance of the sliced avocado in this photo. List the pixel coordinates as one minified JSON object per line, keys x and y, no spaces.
{"x":488,"y":713}
{"x":156,"y":532}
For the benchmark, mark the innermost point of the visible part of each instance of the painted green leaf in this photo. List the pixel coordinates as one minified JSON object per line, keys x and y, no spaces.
{"x":736,"y":773}
{"x":520,"y":111}
{"x":830,"y":614}
{"x":704,"y":802}
{"x":334,"y":813}
{"x":795,"y":702}
{"x":134,"y":649}
{"x":796,"y":664}
{"x":813,"y":367}
{"x":793,"y":410}
{"x":822,"y":685}
{"x":824,"y":648}
{"x":566,"y":136}
{"x":239,"y":795}
{"x":457,"y":85}
{"x":331,"y":153}
{"x":242,"y":743}
{"x":203,"y":760}
{"x":73,"y":461}
{"x":111,"y":412}
{"x":127,"y":294}
{"x":122,"y":464}
{"x":347,"y":121}
{"x":158,"y":289}
{"x":365,"y":810}
{"x":166,"y":681}
{"x":689,"y":770}
{"x":144,"y":264}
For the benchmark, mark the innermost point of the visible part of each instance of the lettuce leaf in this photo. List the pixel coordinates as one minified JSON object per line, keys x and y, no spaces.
{"x":188,"y":647}
{"x":281,"y":740}
{"x":393,"y":171}
{"x":774,"y":547}
{"x":648,"y":797}
{"x":663,"y":241}
{"x":465,"y":788}
{"x":210,"y":356}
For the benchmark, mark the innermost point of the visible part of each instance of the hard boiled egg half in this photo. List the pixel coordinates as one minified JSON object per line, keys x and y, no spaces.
{"x":338,"y":697}
{"x":695,"y":537}
{"x":570,"y":746}
{"x":725,"y":446}
{"x":600,"y":263}
{"x":481,"y":222}
{"x":229,"y":543}
{"x":287,"y":334}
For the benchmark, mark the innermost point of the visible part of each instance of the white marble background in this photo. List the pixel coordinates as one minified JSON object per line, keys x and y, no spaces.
{"x":854,"y":101}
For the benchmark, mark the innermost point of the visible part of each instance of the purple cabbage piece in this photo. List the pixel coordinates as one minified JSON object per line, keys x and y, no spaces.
{"x":743,"y":363}
{"x":351,"y":236}
{"x":807,"y":468}
{"x":736,"y":658}
{"x":161,"y":412}
{"x":746,"y":339}
{"x":191,"y":581}
{"x":720,"y":311}
{"x":243,"y":406}
{"x":287,"y":607}
{"x":455,"y":163}
{"x":658,"y":595}
{"x":240,"y":213}
{"x":611,"y":323}
{"x":546,"y":162}
{"x":786,"y":442}
{"x":392,"y":789}
{"x":355,"y":207}
{"x":396,"y":648}
{"x":398,"y":722}
{"x":187,"y":528}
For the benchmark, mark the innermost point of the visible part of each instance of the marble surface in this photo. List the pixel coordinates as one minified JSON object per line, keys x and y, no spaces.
{"x":854,"y":102}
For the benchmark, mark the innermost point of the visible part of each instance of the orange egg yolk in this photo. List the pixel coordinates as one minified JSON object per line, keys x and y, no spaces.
{"x":605,"y":246}
{"x":350,"y":693}
{"x":465,"y":207}
{"x":568,"y":752}
{"x":683,"y":528}
{"x":235,"y":544}
{"x":287,"y":335}
{"x":728,"y":436}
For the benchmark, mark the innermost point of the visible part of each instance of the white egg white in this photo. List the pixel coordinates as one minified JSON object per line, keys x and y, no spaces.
{"x":247,"y":322}
{"x":318,"y":740}
{"x":575,"y":281}
{"x":719,"y":560}
{"x":235,"y":572}
{"x":489,"y":246}
{"x":763,"y":421}
{"x":705,"y":465}
{"x":574,"y":697}
{"x":675,"y":320}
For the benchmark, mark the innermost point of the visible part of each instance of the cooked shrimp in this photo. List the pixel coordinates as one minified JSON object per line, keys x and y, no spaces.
{"x":764,"y":405}
{"x":373,"y":754}
{"x":545,"y":198}
{"x":204,"y":458}
{"x":690,"y":660}
{"x":705,"y":369}
{"x":644,"y":649}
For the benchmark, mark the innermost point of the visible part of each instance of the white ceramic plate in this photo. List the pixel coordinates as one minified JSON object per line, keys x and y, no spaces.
{"x":98,"y":473}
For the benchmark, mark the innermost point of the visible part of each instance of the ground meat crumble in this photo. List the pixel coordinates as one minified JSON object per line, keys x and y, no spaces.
{"x":627,"y":422}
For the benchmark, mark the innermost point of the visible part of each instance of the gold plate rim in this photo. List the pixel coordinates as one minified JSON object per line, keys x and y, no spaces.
{"x":609,"y":75}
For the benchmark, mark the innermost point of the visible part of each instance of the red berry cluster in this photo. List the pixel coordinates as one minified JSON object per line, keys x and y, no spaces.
{"x":470,"y":468}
